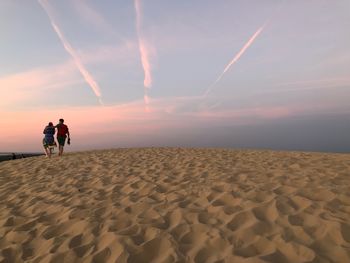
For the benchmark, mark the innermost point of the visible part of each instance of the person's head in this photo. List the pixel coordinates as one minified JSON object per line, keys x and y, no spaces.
{"x":50,"y":123}
{"x":61,"y":121}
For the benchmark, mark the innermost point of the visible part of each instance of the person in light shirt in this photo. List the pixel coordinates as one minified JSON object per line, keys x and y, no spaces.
{"x":49,"y":139}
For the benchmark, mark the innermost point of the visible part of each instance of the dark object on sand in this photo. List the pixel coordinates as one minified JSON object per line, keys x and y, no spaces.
{"x":13,"y":156}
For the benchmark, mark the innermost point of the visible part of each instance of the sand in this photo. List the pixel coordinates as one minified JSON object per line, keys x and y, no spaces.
{"x":176,"y":205}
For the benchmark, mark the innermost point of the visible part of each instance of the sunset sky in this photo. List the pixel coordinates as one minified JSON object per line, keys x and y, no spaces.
{"x":225,"y":73}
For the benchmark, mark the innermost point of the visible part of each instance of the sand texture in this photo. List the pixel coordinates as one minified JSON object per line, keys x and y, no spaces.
{"x":176,"y":205}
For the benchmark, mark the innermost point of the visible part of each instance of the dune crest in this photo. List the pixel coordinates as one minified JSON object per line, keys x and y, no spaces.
{"x":176,"y":205}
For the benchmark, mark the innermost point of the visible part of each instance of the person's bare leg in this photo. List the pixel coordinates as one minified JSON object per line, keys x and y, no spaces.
{"x":46,"y":151}
{"x":60,"y":150}
{"x":51,"y":151}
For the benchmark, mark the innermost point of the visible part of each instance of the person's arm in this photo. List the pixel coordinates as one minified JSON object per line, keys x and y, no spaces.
{"x":68,"y":136}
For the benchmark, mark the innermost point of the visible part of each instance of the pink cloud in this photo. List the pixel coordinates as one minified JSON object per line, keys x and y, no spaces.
{"x":145,"y":63}
{"x":24,"y":86}
{"x":146,"y":51}
{"x":247,"y":114}
{"x":129,"y":121}
{"x":90,"y":15}
{"x":125,"y":54}
{"x":28,"y":86}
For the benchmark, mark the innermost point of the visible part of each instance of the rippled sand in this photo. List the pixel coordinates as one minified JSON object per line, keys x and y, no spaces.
{"x":176,"y":205}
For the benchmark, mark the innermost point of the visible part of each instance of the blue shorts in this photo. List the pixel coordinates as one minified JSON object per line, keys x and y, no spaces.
{"x":48,"y":141}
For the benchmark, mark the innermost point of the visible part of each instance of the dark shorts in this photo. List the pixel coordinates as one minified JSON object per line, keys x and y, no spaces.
{"x":61,"y":140}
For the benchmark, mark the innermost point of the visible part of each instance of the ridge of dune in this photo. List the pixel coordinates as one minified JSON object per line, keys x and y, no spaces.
{"x":176,"y":205}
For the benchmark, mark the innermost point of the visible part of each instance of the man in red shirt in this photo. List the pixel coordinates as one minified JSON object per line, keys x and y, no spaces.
{"x":62,"y":132}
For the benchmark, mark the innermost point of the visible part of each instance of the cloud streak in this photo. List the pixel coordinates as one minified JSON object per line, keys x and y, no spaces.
{"x":236,"y":58}
{"x":31,"y":86}
{"x":128,"y":120}
{"x":34,"y":84}
{"x":89,"y":15}
{"x":145,"y":53}
{"x":84,"y":72}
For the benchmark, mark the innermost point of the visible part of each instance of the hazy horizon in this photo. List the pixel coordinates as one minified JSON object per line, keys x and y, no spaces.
{"x":268,"y":74}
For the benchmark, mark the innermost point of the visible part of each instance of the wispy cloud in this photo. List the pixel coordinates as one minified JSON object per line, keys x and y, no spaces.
{"x":145,"y":53}
{"x":125,"y":54}
{"x":129,"y":115}
{"x":22,"y":87}
{"x":36,"y":83}
{"x":90,"y":15}
{"x":236,"y":58}
{"x":129,"y":122}
{"x":84,"y":72}
{"x":315,"y":84}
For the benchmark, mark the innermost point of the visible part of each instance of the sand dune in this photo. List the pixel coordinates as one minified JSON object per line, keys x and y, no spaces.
{"x":176,"y":205}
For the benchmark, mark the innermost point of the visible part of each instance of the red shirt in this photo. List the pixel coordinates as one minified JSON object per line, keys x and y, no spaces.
{"x":62,"y":130}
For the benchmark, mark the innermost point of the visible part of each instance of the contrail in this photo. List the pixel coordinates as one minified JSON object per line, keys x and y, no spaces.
{"x":236,"y":58}
{"x":144,"y":52}
{"x":87,"y":76}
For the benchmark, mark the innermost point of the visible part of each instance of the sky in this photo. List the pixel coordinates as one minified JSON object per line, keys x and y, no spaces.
{"x":141,"y":73}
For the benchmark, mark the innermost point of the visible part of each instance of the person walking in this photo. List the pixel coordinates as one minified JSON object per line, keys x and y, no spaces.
{"x":49,"y":139}
{"x":62,"y":133}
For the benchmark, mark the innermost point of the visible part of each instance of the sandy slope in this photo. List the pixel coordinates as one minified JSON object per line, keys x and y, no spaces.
{"x":176,"y":205}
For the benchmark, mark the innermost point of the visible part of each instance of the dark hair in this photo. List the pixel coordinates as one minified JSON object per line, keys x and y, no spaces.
{"x":50,"y":123}
{"x":61,"y":120}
